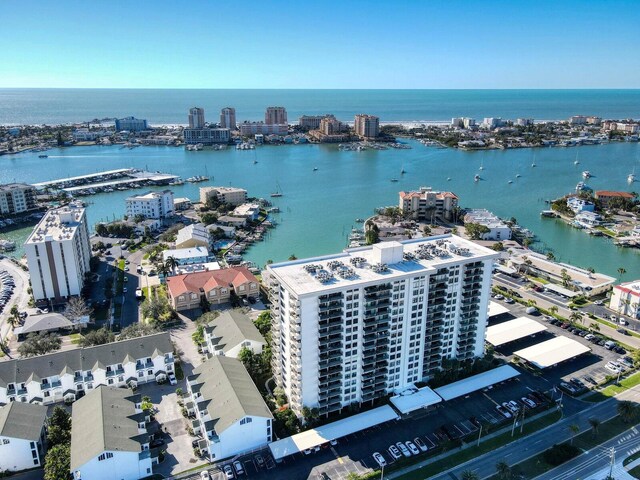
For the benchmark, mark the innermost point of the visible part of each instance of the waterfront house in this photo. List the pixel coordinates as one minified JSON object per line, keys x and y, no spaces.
{"x":577,"y":205}
{"x":498,"y":230}
{"x":22,"y":435}
{"x":588,"y":219}
{"x":195,"y":235}
{"x":250,"y":211}
{"x":608,"y":197}
{"x":192,"y":289}
{"x":230,"y":221}
{"x":230,"y":413}
{"x":68,"y":375}
{"x":230,"y":332}
{"x":187,"y":256}
{"x":109,"y":438}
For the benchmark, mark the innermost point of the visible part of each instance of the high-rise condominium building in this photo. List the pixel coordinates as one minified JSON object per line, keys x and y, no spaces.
{"x":17,"y":198}
{"x":196,"y":117}
{"x":352,"y":327}
{"x":275,"y":116}
{"x":228,"y":118}
{"x":131,"y":124}
{"x":367,"y":126}
{"x":58,"y":253}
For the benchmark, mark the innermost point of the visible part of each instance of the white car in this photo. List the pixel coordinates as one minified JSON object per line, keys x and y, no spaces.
{"x":613,"y":367}
{"x":204,"y":475}
{"x":411,"y":446}
{"x":379,"y":459}
{"x":528,"y":402}
{"x":503,"y":411}
{"x":238,"y":467}
{"x":172,"y":379}
{"x":510,"y":406}
{"x":394,"y":452}
{"x":403,"y":448}
{"x":421,"y":445}
{"x":228,"y":472}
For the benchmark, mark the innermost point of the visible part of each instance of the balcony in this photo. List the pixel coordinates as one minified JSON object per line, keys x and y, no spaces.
{"x":114,"y":373}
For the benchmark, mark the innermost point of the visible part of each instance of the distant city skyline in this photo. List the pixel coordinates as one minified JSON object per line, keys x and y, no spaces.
{"x":357,"y":44}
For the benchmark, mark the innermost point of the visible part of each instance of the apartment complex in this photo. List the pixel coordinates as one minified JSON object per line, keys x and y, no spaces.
{"x":350,"y":328}
{"x":230,"y":412}
{"x":608,"y":197}
{"x":498,"y":230}
{"x":367,"y":126}
{"x":109,"y":438}
{"x":330,"y":130}
{"x":196,"y":117}
{"x":428,"y":204}
{"x":131,"y":124}
{"x":230,"y":332}
{"x":261,"y":128}
{"x":58,"y":253}
{"x":310,"y":122}
{"x":228,"y":118}
{"x":156,"y":205}
{"x":69,"y":374}
{"x":275,"y":116}
{"x":625,"y":299}
{"x":206,"y":136}
{"x":214,"y":287}
{"x":22,"y":436}
{"x":17,"y":198}
{"x":231,"y":195}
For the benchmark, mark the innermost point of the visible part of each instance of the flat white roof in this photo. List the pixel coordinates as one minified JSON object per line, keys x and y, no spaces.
{"x":511,"y":330}
{"x":414,"y":398}
{"x":356,"y":266}
{"x":476,"y":382}
{"x":332,"y":431}
{"x":496,"y":309}
{"x":554,"y":351}
{"x":561,"y":290}
{"x":182,"y":253}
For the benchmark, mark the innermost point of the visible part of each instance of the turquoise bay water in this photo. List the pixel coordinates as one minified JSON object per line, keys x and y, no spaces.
{"x":318,"y":208}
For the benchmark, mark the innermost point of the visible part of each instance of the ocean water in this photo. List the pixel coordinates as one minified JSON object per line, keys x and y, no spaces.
{"x":57,"y":106}
{"x":319,"y":208}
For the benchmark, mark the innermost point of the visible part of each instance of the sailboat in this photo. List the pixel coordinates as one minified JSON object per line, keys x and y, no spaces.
{"x":278,"y":192}
{"x":632,"y":176}
{"x":476,"y":177}
{"x":533,"y":164}
{"x":576,"y":161}
{"x":402,"y":170}
{"x":481,"y":164}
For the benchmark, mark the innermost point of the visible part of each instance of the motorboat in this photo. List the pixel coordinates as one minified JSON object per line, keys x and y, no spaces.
{"x":586,"y":174}
{"x":476,"y":177}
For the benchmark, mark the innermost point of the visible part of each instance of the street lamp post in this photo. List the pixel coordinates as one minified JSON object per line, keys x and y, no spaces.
{"x":479,"y":434}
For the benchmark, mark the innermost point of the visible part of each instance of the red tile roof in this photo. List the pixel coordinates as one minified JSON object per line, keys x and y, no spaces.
{"x":193,"y":282}
{"x":609,"y":193}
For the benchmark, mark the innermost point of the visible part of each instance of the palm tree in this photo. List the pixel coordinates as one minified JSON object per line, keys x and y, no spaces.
{"x":503,"y":470}
{"x":551,"y":256}
{"x":595,"y":423}
{"x":627,"y":411}
{"x":594,"y":326}
{"x":574,"y":428}
{"x":553,"y":310}
{"x":622,"y":271}
{"x":14,"y":317}
{"x":171,"y":263}
{"x":469,"y":475}
{"x":575,"y":317}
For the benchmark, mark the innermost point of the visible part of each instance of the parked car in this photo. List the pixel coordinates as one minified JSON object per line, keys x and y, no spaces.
{"x":260,"y":461}
{"x":598,"y":302}
{"x":412,"y":448}
{"x":394,"y":452}
{"x":380,"y":460}
{"x":421,"y":445}
{"x":613,"y":367}
{"x":609,"y":344}
{"x":567,"y":387}
{"x":628,"y":361}
{"x":172,"y":379}
{"x":403,"y":448}
{"x":237,"y":466}
{"x":156,"y":442}
{"x":503,"y":411}
{"x":577,"y":382}
{"x":623,"y":331}
{"x":228,"y":472}
{"x":619,"y":349}
{"x":589,"y":336}
{"x":590,"y":380}
{"x":512,"y":406}
{"x":204,"y":475}
{"x":528,"y":402}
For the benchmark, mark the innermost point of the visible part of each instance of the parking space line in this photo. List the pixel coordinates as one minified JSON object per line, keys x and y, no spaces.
{"x":486,"y":395}
{"x":338,"y":457}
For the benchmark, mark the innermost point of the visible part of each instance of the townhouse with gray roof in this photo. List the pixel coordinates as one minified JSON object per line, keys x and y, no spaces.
{"x":230,"y":413}
{"x":230,"y":332}
{"x":22,"y":434}
{"x":68,"y":375}
{"x":109,"y":439}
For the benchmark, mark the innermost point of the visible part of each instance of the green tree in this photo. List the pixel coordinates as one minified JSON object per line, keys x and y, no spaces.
{"x":171,"y":263}
{"x":59,"y":427}
{"x":39,"y":344}
{"x":503,"y":470}
{"x":97,"y":337}
{"x":208,"y":218}
{"x":136,"y":330}
{"x":156,"y":309}
{"x":594,"y":326}
{"x":14,"y":316}
{"x":469,"y":475}
{"x":57,"y":462}
{"x":551,"y":256}
{"x":280,"y":396}
{"x":553,"y":310}
{"x":622,"y":271}
{"x":498,"y":246}
{"x":575,"y":316}
{"x":574,"y":428}
{"x":476,"y":231}
{"x":263,"y":322}
{"x":595,"y":423}
{"x":285,"y":423}
{"x":292,"y":257}
{"x":627,"y":411}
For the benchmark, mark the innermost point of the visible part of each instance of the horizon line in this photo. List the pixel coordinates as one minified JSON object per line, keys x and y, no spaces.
{"x":327,"y":89}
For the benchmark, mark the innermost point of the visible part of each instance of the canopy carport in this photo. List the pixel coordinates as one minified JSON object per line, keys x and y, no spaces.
{"x":512,"y":330}
{"x":476,"y":382}
{"x":414,"y":398}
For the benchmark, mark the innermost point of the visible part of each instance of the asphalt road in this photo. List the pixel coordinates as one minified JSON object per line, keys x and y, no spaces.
{"x":533,"y":444}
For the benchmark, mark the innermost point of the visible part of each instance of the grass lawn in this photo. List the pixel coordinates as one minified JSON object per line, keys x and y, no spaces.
{"x":635,"y":472}
{"x":465,"y":455}
{"x":631,"y":458}
{"x":538,"y":279}
{"x":612,"y":390}
{"x":585,"y":441}
{"x":75,"y":338}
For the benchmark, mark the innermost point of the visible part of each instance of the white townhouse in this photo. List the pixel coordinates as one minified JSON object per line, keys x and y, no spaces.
{"x":109,"y":439}
{"x":230,"y":412}
{"x":22,"y":434}
{"x":230,"y":332}
{"x":68,"y":375}
{"x":353,"y":327}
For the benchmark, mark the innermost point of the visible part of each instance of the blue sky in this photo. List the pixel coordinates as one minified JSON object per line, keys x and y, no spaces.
{"x":320,"y":44}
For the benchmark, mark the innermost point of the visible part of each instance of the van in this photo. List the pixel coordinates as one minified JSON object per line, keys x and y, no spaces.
{"x":531,"y":310}
{"x":609,"y":344}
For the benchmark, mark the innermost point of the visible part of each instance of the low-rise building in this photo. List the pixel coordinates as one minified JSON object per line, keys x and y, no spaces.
{"x":330,"y":130}
{"x":109,"y":439}
{"x":625,"y":299}
{"x":608,"y":198}
{"x":215,"y":287}
{"x":577,"y":120}
{"x":84,"y":135}
{"x":22,"y":436}
{"x":194,"y":235}
{"x":154,"y":204}
{"x":181,"y":203}
{"x":250,"y":211}
{"x":253,"y":128}
{"x":187,"y":256}
{"x":428,"y":204}
{"x":230,"y":413}
{"x":498,"y":230}
{"x":230,"y":332}
{"x":131,"y":124}
{"x":17,"y":198}
{"x":577,"y":205}
{"x":588,"y":219}
{"x":206,"y":136}
{"x":69,"y":374}
{"x":228,"y":220}
{"x":228,"y":231}
{"x":230,"y":195}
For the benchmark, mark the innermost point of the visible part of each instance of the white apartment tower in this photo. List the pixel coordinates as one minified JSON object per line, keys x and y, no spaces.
{"x":196,"y":117}
{"x":58,"y":253}
{"x":228,"y":118}
{"x":156,"y":205}
{"x":352,"y":327}
{"x":275,"y":116}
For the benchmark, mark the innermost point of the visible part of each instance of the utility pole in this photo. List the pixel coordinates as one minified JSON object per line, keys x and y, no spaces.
{"x":613,"y":457}
{"x":522,"y":426}
{"x":515,"y":419}
{"x":479,"y":434}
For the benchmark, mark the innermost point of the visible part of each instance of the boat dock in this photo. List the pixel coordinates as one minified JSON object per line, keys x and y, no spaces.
{"x":108,"y":181}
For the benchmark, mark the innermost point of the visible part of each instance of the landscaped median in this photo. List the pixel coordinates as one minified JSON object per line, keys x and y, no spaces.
{"x":613,"y":389}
